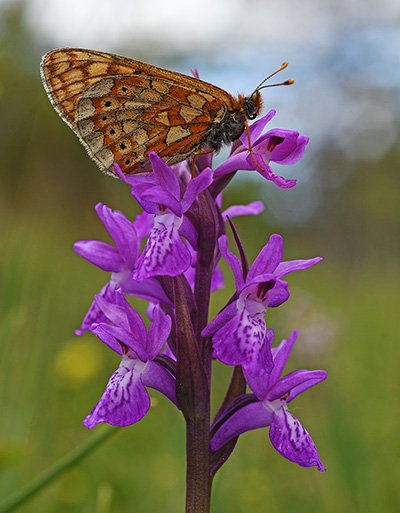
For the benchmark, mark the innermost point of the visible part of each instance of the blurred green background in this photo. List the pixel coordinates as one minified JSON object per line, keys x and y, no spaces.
{"x":345,"y":208}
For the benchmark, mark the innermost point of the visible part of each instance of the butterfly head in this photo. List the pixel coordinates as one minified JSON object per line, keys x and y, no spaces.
{"x":252,"y":105}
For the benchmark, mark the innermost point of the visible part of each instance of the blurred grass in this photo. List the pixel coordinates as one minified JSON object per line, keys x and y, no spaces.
{"x":346,"y":308}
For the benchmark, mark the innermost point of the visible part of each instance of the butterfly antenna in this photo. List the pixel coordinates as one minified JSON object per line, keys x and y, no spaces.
{"x":286,"y":82}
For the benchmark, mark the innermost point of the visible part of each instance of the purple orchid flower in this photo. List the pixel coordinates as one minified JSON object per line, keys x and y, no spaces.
{"x":126,"y":400}
{"x":165,"y":252}
{"x":268,"y":407}
{"x":239,"y":332}
{"x":217,"y":281}
{"x":119,"y":260}
{"x":277,"y":145}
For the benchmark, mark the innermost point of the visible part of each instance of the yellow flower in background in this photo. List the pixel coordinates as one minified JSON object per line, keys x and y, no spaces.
{"x":77,"y":362}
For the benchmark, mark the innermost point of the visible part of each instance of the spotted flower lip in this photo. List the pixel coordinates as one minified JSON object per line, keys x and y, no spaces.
{"x":240,"y":336}
{"x":278,"y":145}
{"x":126,"y":400}
{"x":159,"y":194}
{"x":267,"y":406}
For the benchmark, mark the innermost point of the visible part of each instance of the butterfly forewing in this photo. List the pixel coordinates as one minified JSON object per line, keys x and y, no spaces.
{"x":123,"y":109}
{"x":121,"y":119}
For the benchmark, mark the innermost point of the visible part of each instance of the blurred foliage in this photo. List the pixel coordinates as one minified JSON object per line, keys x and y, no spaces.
{"x":347,"y":309}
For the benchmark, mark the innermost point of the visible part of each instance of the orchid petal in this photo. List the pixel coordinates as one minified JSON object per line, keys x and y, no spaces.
{"x":277,"y":143}
{"x":124,"y":402}
{"x":266,"y":172}
{"x":292,"y":440}
{"x":94,"y":313}
{"x":294,"y":384}
{"x":217,"y":280}
{"x":232,"y":260}
{"x":256,"y":129}
{"x":195,"y":187}
{"x":220,"y":320}
{"x":187,"y":231}
{"x":278,"y":295}
{"x":136,"y":325}
{"x":251,"y":287}
{"x":159,"y":331}
{"x":281,"y":355}
{"x":122,"y":231}
{"x":143,"y":224}
{"x":149,"y":289}
{"x":253,"y":208}
{"x":101,"y":254}
{"x":106,"y":337}
{"x":296,"y":155}
{"x":124,"y":336}
{"x":295,"y":265}
{"x":268,"y":259}
{"x":164,"y":175}
{"x":314,"y":378}
{"x":157,"y":377}
{"x":250,"y":416}
{"x":113,"y":312}
{"x":160,"y":196}
{"x":234,"y":163}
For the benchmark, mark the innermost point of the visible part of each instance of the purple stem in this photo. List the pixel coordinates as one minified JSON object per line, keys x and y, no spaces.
{"x":194,"y":359}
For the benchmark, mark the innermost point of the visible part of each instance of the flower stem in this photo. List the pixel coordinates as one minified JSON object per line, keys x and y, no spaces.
{"x":193,"y":395}
{"x":199,"y":481}
{"x":197,"y":476}
{"x":208,"y":222}
{"x":68,"y":461}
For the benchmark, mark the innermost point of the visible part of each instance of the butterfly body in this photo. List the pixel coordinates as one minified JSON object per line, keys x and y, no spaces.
{"x":122,"y":109}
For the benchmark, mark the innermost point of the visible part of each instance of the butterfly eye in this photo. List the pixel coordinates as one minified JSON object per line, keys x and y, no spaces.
{"x":252,"y":116}
{"x":252,"y":105}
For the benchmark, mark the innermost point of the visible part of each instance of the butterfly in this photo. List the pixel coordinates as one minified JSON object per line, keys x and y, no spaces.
{"x":122,"y":109}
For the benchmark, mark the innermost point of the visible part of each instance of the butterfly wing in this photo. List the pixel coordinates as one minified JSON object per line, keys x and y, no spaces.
{"x":123,"y":109}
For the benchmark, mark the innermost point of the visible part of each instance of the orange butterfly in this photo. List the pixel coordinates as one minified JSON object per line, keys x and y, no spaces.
{"x":122,"y":109}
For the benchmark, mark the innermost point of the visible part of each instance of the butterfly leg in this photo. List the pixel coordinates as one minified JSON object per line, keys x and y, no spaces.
{"x":203,"y":152}
{"x":250,"y":148}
